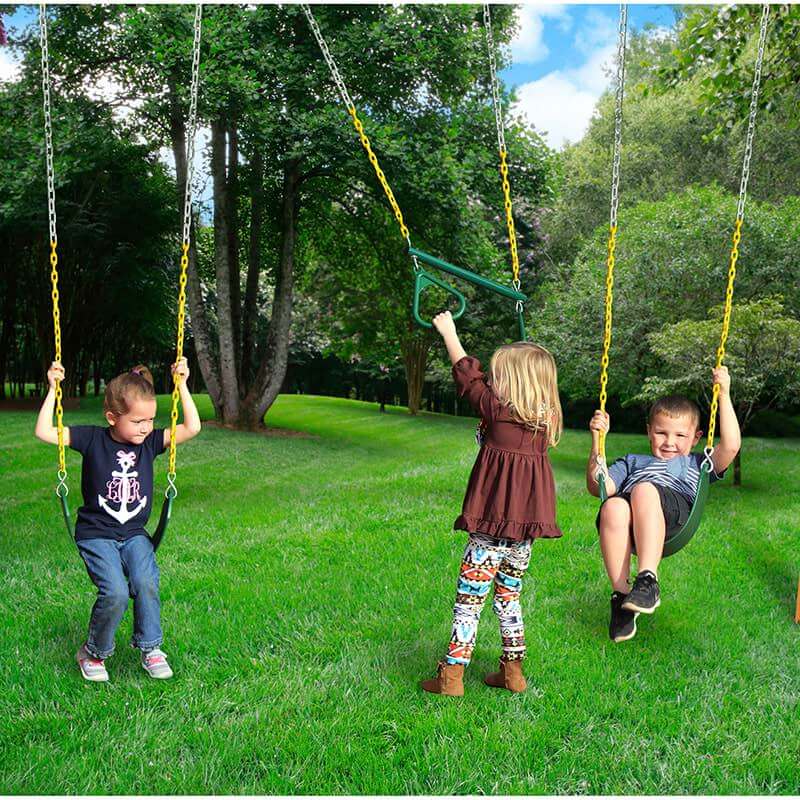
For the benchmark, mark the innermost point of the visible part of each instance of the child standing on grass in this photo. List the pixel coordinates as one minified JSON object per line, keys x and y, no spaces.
{"x":510,"y":499}
{"x":117,"y":487}
{"x":650,"y":496}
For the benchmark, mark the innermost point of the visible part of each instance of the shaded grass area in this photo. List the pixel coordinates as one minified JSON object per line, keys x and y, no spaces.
{"x":307,"y":585}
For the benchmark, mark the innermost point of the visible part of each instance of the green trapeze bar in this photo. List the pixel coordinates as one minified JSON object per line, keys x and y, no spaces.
{"x":465,"y":274}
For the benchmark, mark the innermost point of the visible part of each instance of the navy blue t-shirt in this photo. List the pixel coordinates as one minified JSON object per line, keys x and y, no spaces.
{"x":116,"y":482}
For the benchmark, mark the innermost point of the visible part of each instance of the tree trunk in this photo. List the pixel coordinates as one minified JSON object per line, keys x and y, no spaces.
{"x":96,"y":375}
{"x":250,"y":316}
{"x":737,"y":469}
{"x":194,"y":289}
{"x":227,"y":347}
{"x":275,"y":356}
{"x":8,"y":337}
{"x":232,"y":221}
{"x":415,"y":358}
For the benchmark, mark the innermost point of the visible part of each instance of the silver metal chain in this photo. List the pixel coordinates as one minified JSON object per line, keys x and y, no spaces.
{"x":48,"y":122}
{"x":192,"y":124}
{"x":622,"y":36}
{"x":498,"y":109}
{"x":327,"y":56}
{"x":751,"y":127}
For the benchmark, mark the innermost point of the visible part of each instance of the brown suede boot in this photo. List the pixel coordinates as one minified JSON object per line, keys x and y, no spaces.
{"x":510,"y":677}
{"x":449,"y":680}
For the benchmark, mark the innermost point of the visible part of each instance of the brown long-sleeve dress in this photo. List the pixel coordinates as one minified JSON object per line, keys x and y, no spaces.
{"x":511,"y":492}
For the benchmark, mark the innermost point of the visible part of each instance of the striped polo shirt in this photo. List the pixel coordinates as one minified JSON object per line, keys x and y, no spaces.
{"x":681,"y":473}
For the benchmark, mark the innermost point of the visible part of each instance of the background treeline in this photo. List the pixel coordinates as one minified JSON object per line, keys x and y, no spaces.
{"x":298,"y":278}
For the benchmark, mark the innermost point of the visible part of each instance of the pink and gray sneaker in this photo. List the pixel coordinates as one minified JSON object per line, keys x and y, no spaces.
{"x":155,"y":664}
{"x":93,"y":669}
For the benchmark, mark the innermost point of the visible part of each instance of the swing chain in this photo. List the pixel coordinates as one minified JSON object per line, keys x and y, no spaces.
{"x":602,"y":468}
{"x":185,"y":243}
{"x":498,"y":111}
{"x":358,"y":125}
{"x":171,"y":491}
{"x":612,"y":231}
{"x":51,"y":217}
{"x":192,"y":124}
{"x":48,"y":123}
{"x":622,"y":36}
{"x":751,"y":126}
{"x":417,"y":267}
{"x":62,"y":490}
{"x":737,"y":232}
{"x":501,"y":144}
{"x":708,"y":452}
{"x":326,"y":54}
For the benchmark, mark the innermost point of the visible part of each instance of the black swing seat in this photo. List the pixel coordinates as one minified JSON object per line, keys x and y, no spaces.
{"x":161,"y":528}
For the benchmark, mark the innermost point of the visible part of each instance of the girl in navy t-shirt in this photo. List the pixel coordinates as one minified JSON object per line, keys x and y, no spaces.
{"x":117,"y":487}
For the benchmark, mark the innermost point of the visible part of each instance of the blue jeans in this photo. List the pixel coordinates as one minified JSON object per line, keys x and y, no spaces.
{"x":120,"y":570}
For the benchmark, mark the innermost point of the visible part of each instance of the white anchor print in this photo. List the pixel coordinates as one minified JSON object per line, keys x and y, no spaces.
{"x":123,"y":489}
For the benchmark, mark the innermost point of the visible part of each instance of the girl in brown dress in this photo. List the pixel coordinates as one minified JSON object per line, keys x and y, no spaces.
{"x":510,"y":499}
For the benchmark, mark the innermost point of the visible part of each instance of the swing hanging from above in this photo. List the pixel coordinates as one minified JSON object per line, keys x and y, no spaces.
{"x":687,"y":531}
{"x":424,"y":278}
{"x":62,"y":488}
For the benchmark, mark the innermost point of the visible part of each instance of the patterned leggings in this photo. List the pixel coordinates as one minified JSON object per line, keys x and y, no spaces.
{"x":488,"y":560}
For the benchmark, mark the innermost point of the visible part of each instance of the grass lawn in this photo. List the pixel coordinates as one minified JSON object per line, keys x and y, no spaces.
{"x":307,"y":585}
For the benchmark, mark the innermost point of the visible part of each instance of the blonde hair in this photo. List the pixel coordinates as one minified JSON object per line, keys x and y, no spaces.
{"x":524,"y":377}
{"x":119,"y":391}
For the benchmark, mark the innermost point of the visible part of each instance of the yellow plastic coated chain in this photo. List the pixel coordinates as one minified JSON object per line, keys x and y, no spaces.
{"x":176,"y":393}
{"x":373,"y":159}
{"x":609,"y":303}
{"x":726,"y":323}
{"x":512,"y":234}
{"x":62,"y":464}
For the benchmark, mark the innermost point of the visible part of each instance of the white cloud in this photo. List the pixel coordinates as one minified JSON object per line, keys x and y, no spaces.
{"x":560,"y":104}
{"x":597,"y":30}
{"x":528,"y":46}
{"x":9,"y":67}
{"x":557,"y":107}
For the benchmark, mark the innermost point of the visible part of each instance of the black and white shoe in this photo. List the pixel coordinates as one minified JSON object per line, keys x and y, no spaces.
{"x":623,"y":622}
{"x":645,"y":596}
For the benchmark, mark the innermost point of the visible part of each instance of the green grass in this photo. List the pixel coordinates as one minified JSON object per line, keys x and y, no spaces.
{"x":307,"y":586}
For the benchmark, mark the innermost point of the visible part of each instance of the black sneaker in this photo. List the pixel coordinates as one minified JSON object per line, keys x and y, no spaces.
{"x":623,"y":623}
{"x":645,"y":596}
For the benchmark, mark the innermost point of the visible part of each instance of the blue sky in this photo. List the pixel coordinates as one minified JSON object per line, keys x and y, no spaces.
{"x":557,"y":60}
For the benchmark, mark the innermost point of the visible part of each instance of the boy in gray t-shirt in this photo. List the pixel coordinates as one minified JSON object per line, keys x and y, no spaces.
{"x":650,"y":496}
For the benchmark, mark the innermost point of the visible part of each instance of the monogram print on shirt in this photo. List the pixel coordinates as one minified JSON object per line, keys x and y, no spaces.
{"x":124,"y":490}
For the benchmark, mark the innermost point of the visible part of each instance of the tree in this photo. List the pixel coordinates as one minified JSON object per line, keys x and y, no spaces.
{"x":763,"y":352}
{"x":672,"y":263}
{"x":276,"y":130}
{"x":670,"y":137}
{"x":115,"y":277}
{"x":719,"y":44}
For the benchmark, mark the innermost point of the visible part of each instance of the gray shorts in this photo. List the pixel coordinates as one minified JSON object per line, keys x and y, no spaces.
{"x":675,"y":506}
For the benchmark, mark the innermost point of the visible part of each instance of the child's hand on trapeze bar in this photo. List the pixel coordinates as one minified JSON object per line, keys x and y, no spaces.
{"x":444,"y":323}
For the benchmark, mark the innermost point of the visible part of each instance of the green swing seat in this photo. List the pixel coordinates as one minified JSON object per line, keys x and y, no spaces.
{"x":689,"y":528}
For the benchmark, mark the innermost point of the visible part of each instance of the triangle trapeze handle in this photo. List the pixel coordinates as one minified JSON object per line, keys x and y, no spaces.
{"x":422,"y":281}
